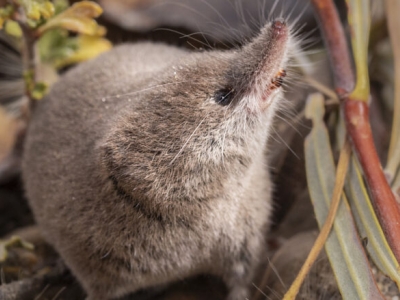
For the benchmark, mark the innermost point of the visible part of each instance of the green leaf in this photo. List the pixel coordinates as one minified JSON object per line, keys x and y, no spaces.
{"x":364,"y":214}
{"x":393,"y":165}
{"x":59,"y":50}
{"x":55,"y":45}
{"x":77,"y":18}
{"x":37,"y":12}
{"x":359,"y":20}
{"x":37,"y":9}
{"x":12,"y":28}
{"x":344,"y":249}
{"x":60,"y":5}
{"x":396,"y":182}
{"x":393,"y":162}
{"x":5,"y":14}
{"x":39,"y":90}
{"x":88,"y":48}
{"x":368,"y":224}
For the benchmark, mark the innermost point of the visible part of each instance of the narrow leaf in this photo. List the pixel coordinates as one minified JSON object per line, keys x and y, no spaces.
{"x":359,"y":21}
{"x":393,"y":166}
{"x":393,"y":163}
{"x":369,"y":226}
{"x":358,"y":126}
{"x":344,"y":249}
{"x":327,"y":226}
{"x":364,"y":214}
{"x":393,"y":20}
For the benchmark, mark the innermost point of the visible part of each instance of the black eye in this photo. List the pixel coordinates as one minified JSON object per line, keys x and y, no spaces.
{"x":224,"y":96}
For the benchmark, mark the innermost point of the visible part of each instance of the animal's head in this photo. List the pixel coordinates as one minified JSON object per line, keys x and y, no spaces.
{"x":207,"y":119}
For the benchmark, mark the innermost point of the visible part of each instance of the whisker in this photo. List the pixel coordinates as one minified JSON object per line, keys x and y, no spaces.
{"x":274,"y":293}
{"x":289,"y":15}
{"x":184,"y":145}
{"x":272,"y":11}
{"x":277,"y":274}
{"x":142,"y":90}
{"x":183,"y":35}
{"x":289,"y":123}
{"x":261,"y":291}
{"x":284,"y":142}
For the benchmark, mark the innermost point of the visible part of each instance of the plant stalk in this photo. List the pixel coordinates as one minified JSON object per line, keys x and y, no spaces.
{"x":356,"y":117}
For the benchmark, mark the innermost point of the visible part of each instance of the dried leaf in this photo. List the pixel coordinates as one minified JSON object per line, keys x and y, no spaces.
{"x":345,"y":252}
{"x":77,"y":18}
{"x":14,"y":241}
{"x":8,"y":132}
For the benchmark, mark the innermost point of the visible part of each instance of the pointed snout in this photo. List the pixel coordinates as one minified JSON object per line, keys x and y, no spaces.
{"x":270,"y":50}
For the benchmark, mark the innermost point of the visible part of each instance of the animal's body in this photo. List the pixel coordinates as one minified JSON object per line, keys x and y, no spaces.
{"x":148,"y":164}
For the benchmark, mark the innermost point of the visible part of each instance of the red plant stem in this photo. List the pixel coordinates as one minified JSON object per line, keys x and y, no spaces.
{"x":359,"y":129}
{"x":336,"y":45}
{"x":358,"y":125}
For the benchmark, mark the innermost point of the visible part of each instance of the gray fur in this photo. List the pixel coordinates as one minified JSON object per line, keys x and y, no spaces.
{"x":139,"y":178}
